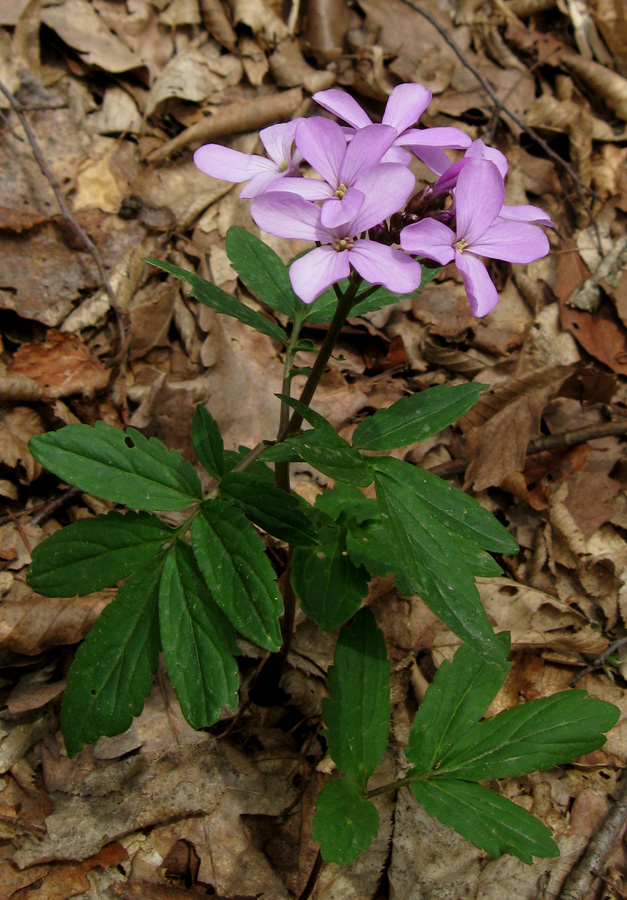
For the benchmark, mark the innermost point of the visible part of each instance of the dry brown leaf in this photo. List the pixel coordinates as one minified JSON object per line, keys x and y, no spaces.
{"x":17,"y":427}
{"x":79,"y":25}
{"x":547,"y":113}
{"x":254,"y":60}
{"x":611,"y":19}
{"x":607,"y":85}
{"x":61,"y":365}
{"x":150,"y":316}
{"x":33,"y":624}
{"x":215,"y":21}
{"x":289,"y":68}
{"x":64,"y":880}
{"x":325,"y":31}
{"x":260,"y":18}
{"x":600,"y":333}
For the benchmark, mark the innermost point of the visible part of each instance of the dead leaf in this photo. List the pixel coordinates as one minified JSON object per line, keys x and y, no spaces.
{"x":150,"y":316}
{"x":33,"y":624}
{"x":607,"y":85}
{"x":215,"y":21}
{"x":17,"y":427}
{"x":64,"y":880}
{"x":61,"y":365}
{"x":600,"y":333}
{"x":325,"y":31}
{"x":79,"y":25}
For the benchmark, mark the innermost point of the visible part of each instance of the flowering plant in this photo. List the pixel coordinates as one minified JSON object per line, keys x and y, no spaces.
{"x":192,"y":587}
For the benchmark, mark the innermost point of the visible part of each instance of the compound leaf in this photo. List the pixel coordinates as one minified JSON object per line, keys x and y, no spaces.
{"x":121,"y":466}
{"x":329,"y":586}
{"x":92,"y":554}
{"x":357,"y":713}
{"x":345,"y":823}
{"x":207,"y":442}
{"x":277,"y":512}
{"x":112,"y":672}
{"x":491,"y":822}
{"x":533,"y":736}
{"x":210,"y":295}
{"x":427,"y":556}
{"x":262,"y":271}
{"x":412,"y":419}
{"x":459,"y":695}
{"x":198,"y":641}
{"x":233,"y":562}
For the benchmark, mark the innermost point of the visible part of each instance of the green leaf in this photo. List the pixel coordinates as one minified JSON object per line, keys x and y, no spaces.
{"x":262,"y":271}
{"x":277,"y":512}
{"x":233,"y":562}
{"x":329,"y":586}
{"x":344,"y":499}
{"x":491,"y":822}
{"x":210,"y":295}
{"x":533,"y":736}
{"x":459,"y":695}
{"x":207,"y":442}
{"x":426,"y":554}
{"x":322,"y":448}
{"x":95,"y":553}
{"x":112,"y":672}
{"x":412,"y":419}
{"x":357,"y":714}
{"x":198,"y":641}
{"x":345,"y":823}
{"x":121,"y":466}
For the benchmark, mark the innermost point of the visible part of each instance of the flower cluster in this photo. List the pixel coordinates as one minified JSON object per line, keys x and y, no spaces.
{"x":359,"y":212}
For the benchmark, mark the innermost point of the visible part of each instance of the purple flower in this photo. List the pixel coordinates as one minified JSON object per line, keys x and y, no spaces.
{"x":405,"y":105}
{"x":231,"y":165}
{"x":386,"y":189}
{"x":323,"y":144}
{"x":481,"y":231}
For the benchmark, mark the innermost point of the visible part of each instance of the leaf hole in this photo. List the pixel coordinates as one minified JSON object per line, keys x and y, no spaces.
{"x":130,"y":443}
{"x":93,"y":692}
{"x":508,"y":590}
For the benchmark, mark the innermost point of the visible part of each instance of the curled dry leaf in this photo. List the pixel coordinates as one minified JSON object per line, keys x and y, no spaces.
{"x":547,"y":113}
{"x":325,"y":30}
{"x":150,"y":315}
{"x":289,"y":69}
{"x":34,"y":623}
{"x":79,"y":25}
{"x":16,"y":429}
{"x":260,"y":18}
{"x":611,"y":19}
{"x":254,"y":60}
{"x":249,"y":115}
{"x":61,"y":365}
{"x":608,"y":85}
{"x":217,"y":24}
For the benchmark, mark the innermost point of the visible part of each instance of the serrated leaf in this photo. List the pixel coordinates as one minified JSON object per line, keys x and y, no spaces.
{"x":530,"y":737}
{"x":233,"y":562}
{"x":322,"y":448}
{"x":427,"y":557}
{"x":211,"y":295}
{"x":343,"y":498}
{"x":207,"y":442}
{"x":262,"y":271}
{"x":357,"y":713}
{"x":198,"y":641}
{"x":92,"y":554}
{"x":277,"y":512}
{"x":121,"y":466}
{"x":329,"y":586}
{"x":415,"y":418}
{"x":491,"y":822}
{"x":459,"y":695}
{"x":112,"y":672}
{"x":345,"y":823}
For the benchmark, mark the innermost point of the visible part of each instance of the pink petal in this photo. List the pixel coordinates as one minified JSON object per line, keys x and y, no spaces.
{"x":278,"y":140}
{"x":430,"y":239}
{"x":524,"y":213}
{"x":433,"y":157}
{"x":448,"y":180}
{"x":336,"y":212}
{"x":288,"y":215}
{"x":479,"y":150}
{"x":386,"y":188}
{"x":515,"y":242}
{"x":482,"y":295}
{"x":343,"y":106}
{"x":397,"y":155}
{"x":380,"y":264}
{"x":309,"y":188}
{"x":230,"y":165}
{"x":260,"y":183}
{"x":365,"y":151}
{"x":323,"y":145}
{"x":453,"y":138}
{"x":405,"y":105}
{"x":317,"y":270}
{"x":479,"y":197}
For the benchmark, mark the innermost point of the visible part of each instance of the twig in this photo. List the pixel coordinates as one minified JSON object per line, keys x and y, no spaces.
{"x":591,"y":865}
{"x":52,"y":506}
{"x":313,"y":877}
{"x":544,"y":443}
{"x":599,"y":661}
{"x":67,"y":215}
{"x":533,"y":134}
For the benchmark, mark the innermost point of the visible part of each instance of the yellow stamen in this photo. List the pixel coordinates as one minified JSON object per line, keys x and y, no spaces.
{"x":461,"y":245}
{"x":283,"y":167}
{"x":341,"y":192}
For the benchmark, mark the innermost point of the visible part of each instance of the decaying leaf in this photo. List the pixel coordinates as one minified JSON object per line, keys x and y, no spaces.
{"x":608,"y":85}
{"x":61,"y":365}
{"x":17,"y":426}
{"x":79,"y":25}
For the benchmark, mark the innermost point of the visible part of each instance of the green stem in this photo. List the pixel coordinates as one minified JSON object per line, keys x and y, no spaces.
{"x":282,"y":469}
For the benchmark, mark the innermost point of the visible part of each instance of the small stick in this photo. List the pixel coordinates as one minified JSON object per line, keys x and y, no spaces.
{"x":599,"y":661}
{"x":580,"y":879}
{"x":67,"y":215}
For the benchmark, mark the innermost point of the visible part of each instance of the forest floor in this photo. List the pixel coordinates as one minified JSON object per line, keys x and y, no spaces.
{"x":117,"y":96}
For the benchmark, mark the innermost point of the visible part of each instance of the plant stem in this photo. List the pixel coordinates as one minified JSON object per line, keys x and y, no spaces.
{"x":282,"y":469}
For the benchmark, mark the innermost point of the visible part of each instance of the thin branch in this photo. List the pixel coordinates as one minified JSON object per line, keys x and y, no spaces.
{"x":599,"y":661}
{"x":67,"y":215}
